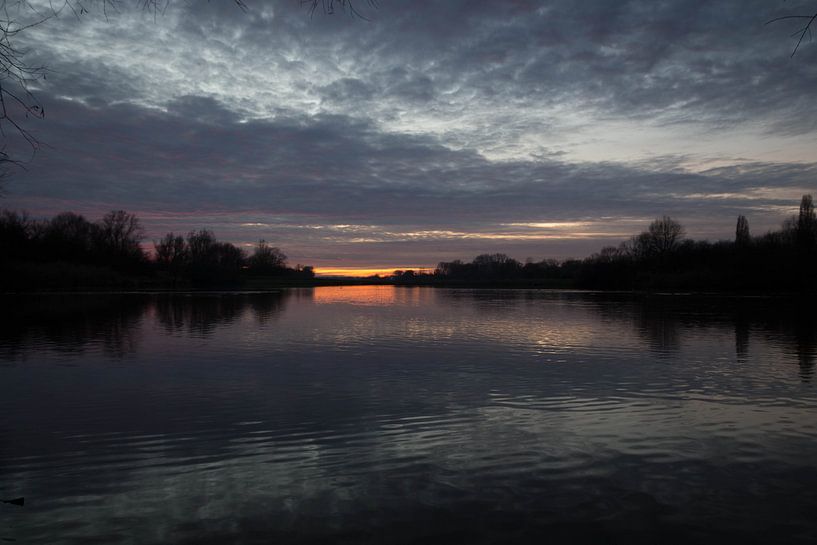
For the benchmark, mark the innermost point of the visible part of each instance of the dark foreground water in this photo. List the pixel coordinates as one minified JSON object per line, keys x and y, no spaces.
{"x":399,"y":415}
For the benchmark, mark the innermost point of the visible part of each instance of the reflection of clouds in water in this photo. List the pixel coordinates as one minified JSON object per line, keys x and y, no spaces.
{"x":308,"y":411}
{"x":497,"y":451}
{"x":551,"y":326}
{"x":658,"y":426}
{"x":545,"y":324}
{"x":167,"y":490}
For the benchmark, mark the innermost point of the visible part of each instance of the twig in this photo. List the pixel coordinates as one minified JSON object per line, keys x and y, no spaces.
{"x":802,"y":32}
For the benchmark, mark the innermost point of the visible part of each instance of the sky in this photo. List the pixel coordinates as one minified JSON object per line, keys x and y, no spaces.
{"x":426,"y":131}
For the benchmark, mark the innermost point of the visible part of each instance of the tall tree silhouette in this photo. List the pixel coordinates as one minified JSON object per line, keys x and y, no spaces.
{"x":171,"y":251}
{"x":267,"y":259}
{"x":172,"y":255}
{"x":742,"y":236}
{"x":806,"y":222}
{"x":120,"y":232}
{"x":661,"y":238}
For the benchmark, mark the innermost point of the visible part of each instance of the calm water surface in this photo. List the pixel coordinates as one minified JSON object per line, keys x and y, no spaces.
{"x":400,"y":415}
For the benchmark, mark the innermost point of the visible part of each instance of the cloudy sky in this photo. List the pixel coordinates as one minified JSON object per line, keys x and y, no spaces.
{"x":431,"y":131}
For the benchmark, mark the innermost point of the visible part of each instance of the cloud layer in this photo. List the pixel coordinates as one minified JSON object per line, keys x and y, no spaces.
{"x":429,"y":132}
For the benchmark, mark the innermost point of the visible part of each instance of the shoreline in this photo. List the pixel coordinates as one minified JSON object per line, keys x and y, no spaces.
{"x":278,"y":288}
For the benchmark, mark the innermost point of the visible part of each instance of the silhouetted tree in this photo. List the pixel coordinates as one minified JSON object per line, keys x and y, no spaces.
{"x":200,"y":246}
{"x":305,"y":271}
{"x":807,"y":19}
{"x":68,"y":236}
{"x":267,"y":259}
{"x":665,"y":234}
{"x":806,"y":223}
{"x":403,"y":276}
{"x":661,"y":238}
{"x":496,"y":266}
{"x":211,"y":261}
{"x":119,"y":234}
{"x":229,"y":257}
{"x":172,"y":254}
{"x":805,"y":239}
{"x":171,"y":250}
{"x":68,"y":251}
{"x":742,"y":236}
{"x":16,"y":230}
{"x":449,"y":269}
{"x":484,"y":267}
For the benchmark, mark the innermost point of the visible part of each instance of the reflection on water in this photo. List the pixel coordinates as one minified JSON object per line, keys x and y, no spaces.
{"x":380,"y":414}
{"x":69,"y":323}
{"x":201,"y":314}
{"x":369,"y":296}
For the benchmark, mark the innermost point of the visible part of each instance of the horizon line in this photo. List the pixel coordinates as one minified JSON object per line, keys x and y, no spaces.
{"x":363,"y":272}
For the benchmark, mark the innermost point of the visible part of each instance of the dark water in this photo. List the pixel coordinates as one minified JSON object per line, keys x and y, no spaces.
{"x":398,"y":415}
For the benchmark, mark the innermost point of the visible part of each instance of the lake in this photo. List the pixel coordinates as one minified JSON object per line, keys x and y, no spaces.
{"x":401,"y":415}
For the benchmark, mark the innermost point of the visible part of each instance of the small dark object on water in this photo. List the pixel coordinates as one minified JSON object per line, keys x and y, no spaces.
{"x":16,"y":501}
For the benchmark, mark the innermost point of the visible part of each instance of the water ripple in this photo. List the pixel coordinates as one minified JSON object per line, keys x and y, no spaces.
{"x":409,"y":415}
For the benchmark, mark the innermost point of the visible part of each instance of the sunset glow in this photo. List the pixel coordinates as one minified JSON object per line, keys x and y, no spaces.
{"x":365,"y":271}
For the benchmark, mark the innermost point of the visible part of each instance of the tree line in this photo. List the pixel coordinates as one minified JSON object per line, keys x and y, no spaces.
{"x":661,"y":257}
{"x":70,"y":251}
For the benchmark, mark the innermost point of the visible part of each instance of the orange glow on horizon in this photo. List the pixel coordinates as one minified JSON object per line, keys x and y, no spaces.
{"x":365,"y":271}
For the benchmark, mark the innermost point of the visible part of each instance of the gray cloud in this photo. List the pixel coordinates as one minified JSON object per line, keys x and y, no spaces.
{"x":450,"y":128}
{"x":318,"y":183}
{"x":678,"y":60}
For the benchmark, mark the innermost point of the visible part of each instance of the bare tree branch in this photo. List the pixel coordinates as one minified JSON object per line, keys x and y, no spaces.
{"x":15,"y":77}
{"x":329,"y":6}
{"x":801,"y":32}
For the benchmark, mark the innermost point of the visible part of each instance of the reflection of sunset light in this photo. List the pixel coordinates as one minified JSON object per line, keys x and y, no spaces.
{"x":550,"y":335}
{"x":369,"y":295}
